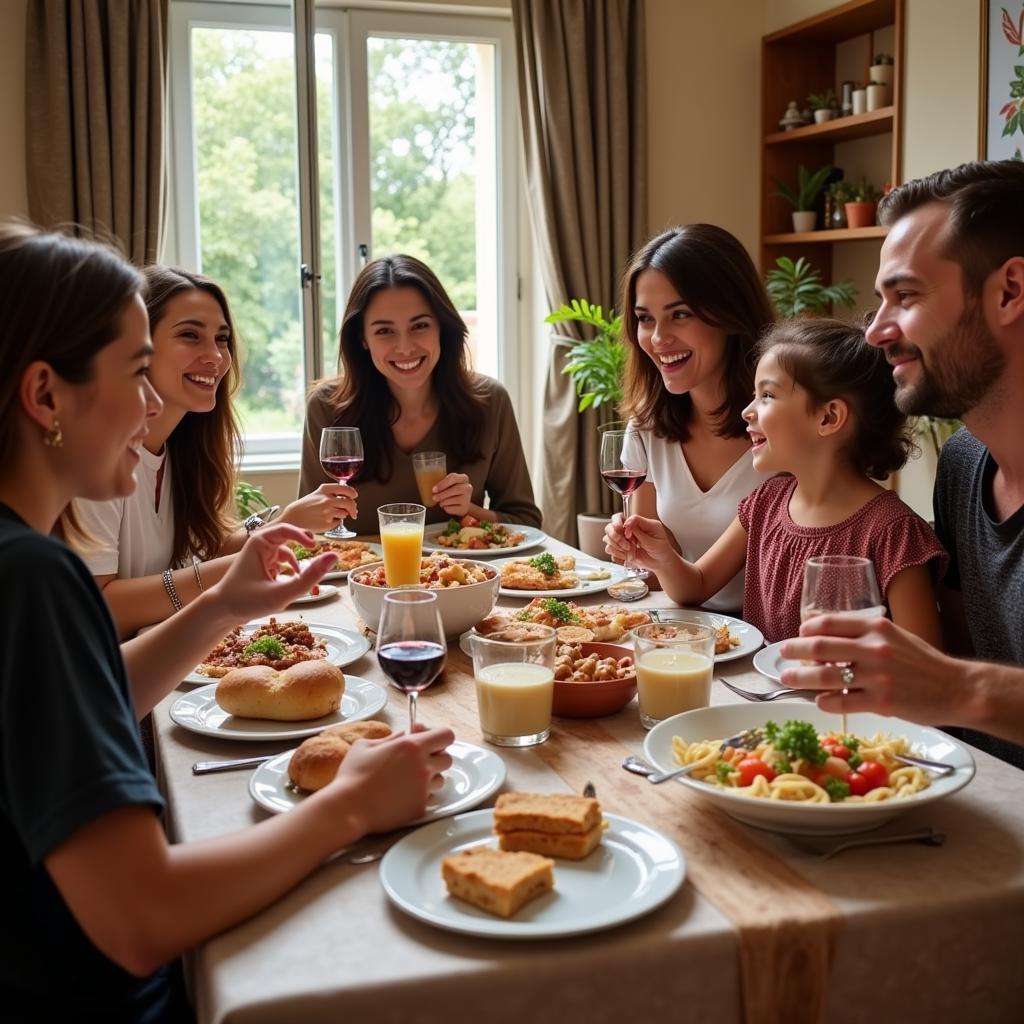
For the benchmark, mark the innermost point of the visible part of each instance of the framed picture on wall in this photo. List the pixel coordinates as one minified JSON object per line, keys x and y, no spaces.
{"x":1001,"y":115}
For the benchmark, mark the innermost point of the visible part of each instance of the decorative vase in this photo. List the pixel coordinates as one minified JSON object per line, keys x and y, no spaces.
{"x":860,"y":101}
{"x":823,"y":115}
{"x":804,"y":220}
{"x":860,"y":215}
{"x":838,"y":218}
{"x":882,"y":73}
{"x":878,"y":96}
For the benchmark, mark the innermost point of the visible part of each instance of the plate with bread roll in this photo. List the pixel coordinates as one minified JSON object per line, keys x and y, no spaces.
{"x":261,"y":703}
{"x":535,"y":866}
{"x":285,"y":781}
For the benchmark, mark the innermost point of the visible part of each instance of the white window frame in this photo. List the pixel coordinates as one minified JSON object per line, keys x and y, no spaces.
{"x":349,"y":29}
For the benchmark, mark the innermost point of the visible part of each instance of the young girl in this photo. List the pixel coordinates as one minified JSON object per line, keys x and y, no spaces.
{"x":823,"y":411}
{"x":405,"y":382}
{"x":183,"y":508}
{"x":693,"y":308}
{"x":95,"y":895}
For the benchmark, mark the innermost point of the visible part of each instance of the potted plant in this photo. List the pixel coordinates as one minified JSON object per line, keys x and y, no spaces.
{"x":882,"y":68}
{"x":823,"y":104}
{"x":860,"y":210}
{"x":841,"y":193}
{"x":804,"y":196}
{"x":796,"y":289}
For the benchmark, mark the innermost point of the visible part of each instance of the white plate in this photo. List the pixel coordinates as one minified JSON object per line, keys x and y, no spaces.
{"x":808,"y":819}
{"x":632,"y":871}
{"x":533,"y":538}
{"x":342,"y":574}
{"x":198,"y":711}
{"x":770,"y":662}
{"x":474,"y":775}
{"x":326,"y":590}
{"x":343,"y":646}
{"x":750,"y":637}
{"x":583,"y":565}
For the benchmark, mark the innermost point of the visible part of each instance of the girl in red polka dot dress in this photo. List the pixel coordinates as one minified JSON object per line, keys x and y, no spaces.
{"x":824,"y":418}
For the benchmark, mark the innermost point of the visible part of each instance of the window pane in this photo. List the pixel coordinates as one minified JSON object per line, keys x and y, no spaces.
{"x":432,"y":170}
{"x":246,"y":143}
{"x":328,"y":155}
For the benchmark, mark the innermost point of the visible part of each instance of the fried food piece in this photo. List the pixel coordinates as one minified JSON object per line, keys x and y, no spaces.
{"x":495,"y":880}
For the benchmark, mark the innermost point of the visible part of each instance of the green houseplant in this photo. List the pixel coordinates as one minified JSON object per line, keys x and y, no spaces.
{"x":248,"y":499}
{"x":796,"y":289}
{"x":598,"y":364}
{"x":803,"y":198}
{"x":862,"y":207}
{"x":824,"y":105}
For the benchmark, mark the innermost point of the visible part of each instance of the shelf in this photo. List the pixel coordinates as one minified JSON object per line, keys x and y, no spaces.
{"x":855,"y":126}
{"x":817,"y":237}
{"x":844,"y":22}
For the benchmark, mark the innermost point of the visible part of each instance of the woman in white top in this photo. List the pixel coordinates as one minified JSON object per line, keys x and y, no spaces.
{"x":181,"y":518}
{"x":693,"y":307}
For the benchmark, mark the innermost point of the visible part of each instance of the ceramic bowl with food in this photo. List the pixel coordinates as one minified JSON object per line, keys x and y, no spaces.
{"x":596,"y":695}
{"x":460,"y":606}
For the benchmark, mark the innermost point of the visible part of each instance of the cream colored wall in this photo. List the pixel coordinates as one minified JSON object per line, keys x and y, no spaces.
{"x":13,"y":185}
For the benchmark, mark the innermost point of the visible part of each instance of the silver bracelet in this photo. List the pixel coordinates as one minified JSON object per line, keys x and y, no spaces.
{"x":172,"y":593}
{"x":199,"y":579}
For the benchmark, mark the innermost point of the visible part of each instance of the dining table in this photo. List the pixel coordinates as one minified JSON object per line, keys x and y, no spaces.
{"x":760,"y":930}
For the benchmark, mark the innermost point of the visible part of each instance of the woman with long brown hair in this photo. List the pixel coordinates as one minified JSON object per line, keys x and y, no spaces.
{"x":95,"y":894}
{"x":693,"y":308}
{"x":155,"y":549}
{"x":405,"y":382}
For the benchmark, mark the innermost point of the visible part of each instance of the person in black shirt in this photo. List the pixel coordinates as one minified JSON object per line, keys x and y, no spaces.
{"x":96,"y":899}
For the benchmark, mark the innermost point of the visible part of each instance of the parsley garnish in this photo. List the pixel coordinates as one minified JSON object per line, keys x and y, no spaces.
{"x":723,"y":770}
{"x":452,"y":528}
{"x":837,"y":789}
{"x":559,"y":610}
{"x":855,"y":761}
{"x":783,"y":767}
{"x":268,"y":645}
{"x":546,"y":563}
{"x":797,"y":739}
{"x":300,"y":552}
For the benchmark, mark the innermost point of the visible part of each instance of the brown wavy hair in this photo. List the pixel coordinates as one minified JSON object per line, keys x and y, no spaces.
{"x":831,"y":359}
{"x":203,"y":446}
{"x":716,"y":278}
{"x":360,"y":395}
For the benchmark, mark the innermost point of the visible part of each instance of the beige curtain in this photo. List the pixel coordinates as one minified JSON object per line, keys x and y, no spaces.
{"x":582,"y":97}
{"x":95,"y":124}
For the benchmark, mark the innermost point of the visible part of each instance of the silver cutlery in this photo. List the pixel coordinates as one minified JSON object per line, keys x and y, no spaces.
{"x":205,"y":767}
{"x":748,"y":740}
{"x":590,"y":790}
{"x":939,"y":767}
{"x":826,"y":846}
{"x":769,"y":695}
{"x":638,"y":766}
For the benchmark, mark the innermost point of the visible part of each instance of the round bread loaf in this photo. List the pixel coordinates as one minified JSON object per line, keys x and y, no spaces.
{"x":316,"y":761}
{"x":310,"y":689}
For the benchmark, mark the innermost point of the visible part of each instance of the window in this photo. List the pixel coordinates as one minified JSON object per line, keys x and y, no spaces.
{"x":415,"y":153}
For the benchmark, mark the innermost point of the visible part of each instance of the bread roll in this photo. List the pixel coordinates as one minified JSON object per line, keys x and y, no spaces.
{"x":316,"y":761}
{"x":310,"y":689}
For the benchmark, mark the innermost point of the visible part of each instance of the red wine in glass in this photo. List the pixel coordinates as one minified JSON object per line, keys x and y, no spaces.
{"x":341,"y":456}
{"x":341,"y":467}
{"x":412,"y":664}
{"x":624,"y":481}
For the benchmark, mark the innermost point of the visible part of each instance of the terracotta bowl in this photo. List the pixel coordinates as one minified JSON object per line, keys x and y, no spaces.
{"x":592,"y":700}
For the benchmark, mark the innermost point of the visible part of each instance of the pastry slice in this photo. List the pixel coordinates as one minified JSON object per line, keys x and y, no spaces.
{"x":497,"y":881}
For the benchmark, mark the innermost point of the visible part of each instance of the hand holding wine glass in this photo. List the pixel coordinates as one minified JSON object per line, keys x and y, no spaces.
{"x":624,"y":469}
{"x":411,"y":647}
{"x":341,"y":456}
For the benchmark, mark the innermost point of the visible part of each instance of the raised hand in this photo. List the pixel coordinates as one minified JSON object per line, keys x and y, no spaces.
{"x":454,"y":493}
{"x":323,"y":508}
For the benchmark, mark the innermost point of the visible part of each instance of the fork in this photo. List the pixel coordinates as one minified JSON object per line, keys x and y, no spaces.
{"x":826,"y":847}
{"x":769,"y":696}
{"x":748,"y":739}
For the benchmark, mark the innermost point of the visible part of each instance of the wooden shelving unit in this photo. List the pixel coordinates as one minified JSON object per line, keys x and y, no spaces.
{"x":802,"y":59}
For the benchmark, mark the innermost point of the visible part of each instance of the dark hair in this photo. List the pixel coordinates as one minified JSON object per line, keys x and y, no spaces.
{"x":202,"y":447}
{"x":61,"y":302}
{"x":986,"y":203}
{"x":831,"y":359}
{"x":715,"y":276}
{"x":360,"y":393}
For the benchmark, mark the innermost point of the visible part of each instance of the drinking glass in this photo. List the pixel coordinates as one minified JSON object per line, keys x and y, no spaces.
{"x":411,"y":647}
{"x":401,"y":537}
{"x":341,"y":456}
{"x":674,"y":663}
{"x":624,"y":469}
{"x":429,"y":469}
{"x":515,"y":686}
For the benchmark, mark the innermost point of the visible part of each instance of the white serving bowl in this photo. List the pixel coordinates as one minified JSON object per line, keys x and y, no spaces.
{"x":460,"y":607}
{"x":805,"y":818}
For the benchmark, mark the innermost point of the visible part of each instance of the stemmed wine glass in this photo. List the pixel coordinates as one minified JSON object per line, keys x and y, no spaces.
{"x":341,"y":456}
{"x":624,"y":469}
{"x":410,"y":642}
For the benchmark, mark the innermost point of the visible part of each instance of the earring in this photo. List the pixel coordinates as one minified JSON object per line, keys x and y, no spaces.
{"x":53,"y":437}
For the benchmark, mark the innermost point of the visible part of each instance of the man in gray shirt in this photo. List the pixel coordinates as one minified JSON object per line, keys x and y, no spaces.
{"x":951,"y":322}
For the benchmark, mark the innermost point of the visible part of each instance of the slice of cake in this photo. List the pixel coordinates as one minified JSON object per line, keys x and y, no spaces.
{"x":496,"y":881}
{"x":555,"y":825}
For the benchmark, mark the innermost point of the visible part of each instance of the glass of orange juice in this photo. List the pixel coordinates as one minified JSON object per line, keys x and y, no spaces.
{"x":429,"y":468}
{"x":515,"y":686}
{"x":401,"y":537}
{"x":673,"y":668}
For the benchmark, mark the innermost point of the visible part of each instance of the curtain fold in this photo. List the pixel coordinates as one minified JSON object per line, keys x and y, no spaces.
{"x":583,"y":113}
{"x":95,"y":120}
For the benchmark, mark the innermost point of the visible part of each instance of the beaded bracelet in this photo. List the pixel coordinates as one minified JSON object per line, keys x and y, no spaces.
{"x":199,"y":579}
{"x":172,"y":593}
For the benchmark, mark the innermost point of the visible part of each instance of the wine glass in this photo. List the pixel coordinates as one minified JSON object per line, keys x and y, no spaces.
{"x":410,"y":642}
{"x":341,"y":456}
{"x":624,"y":469}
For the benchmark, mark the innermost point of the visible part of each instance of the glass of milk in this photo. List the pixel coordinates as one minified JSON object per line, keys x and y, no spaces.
{"x":515,"y":684}
{"x":673,"y":668}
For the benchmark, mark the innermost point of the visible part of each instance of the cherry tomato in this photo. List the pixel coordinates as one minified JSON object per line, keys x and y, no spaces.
{"x":875,"y":774}
{"x":840,"y":750}
{"x":857,"y":783}
{"x":829,"y":742}
{"x":750,"y":767}
{"x":469,"y":520}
